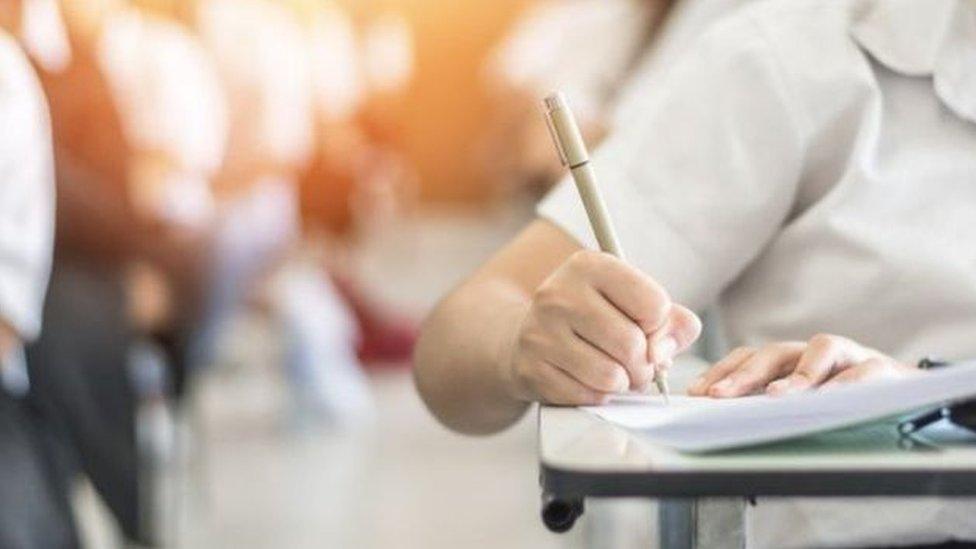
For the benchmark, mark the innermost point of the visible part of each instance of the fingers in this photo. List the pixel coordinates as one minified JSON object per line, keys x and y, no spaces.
{"x":591,"y":366}
{"x":872,"y":369}
{"x":555,"y":386}
{"x":606,"y":328}
{"x":754,"y":373}
{"x":824,"y":355}
{"x":677,"y":334}
{"x":719,"y":370}
{"x":637,"y":295}
{"x":791,"y":366}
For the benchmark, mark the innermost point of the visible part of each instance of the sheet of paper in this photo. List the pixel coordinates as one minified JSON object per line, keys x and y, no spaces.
{"x":645,"y":411}
{"x":699,"y":425}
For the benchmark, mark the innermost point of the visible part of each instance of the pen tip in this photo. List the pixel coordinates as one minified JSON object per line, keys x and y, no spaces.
{"x":661,"y":380}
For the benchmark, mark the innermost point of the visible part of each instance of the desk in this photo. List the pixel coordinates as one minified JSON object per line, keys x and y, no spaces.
{"x":582,"y":456}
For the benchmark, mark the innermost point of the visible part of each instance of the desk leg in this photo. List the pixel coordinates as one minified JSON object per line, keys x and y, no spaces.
{"x":676,"y":523}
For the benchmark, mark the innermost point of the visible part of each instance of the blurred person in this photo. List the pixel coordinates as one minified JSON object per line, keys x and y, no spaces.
{"x":542,"y":54}
{"x":356,"y":180}
{"x":34,"y":498}
{"x":261,"y":52}
{"x":545,"y":51}
{"x":138,"y":132}
{"x":807,"y":165}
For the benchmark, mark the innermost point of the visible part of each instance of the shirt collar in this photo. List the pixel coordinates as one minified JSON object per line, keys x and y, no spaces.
{"x":934,"y":38}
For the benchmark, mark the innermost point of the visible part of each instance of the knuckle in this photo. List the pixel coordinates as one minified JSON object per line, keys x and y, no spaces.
{"x":584,"y":260}
{"x":604,"y":379}
{"x":530,"y":339}
{"x":781,"y":347}
{"x":546,"y":292}
{"x":743,"y":350}
{"x":823,"y":341}
{"x":631,"y":347}
{"x":654,"y":312}
{"x":642,"y":375}
{"x":550,"y":300}
{"x":767,"y":351}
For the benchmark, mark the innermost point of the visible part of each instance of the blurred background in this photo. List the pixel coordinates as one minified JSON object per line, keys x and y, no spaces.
{"x":257,"y":202}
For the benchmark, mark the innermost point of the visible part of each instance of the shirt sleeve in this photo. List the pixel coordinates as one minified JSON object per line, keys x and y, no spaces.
{"x":702,"y":175}
{"x":26,"y":193}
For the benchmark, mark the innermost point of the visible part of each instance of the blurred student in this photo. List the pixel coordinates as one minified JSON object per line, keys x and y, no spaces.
{"x":588,"y":49}
{"x":261,"y":52}
{"x":138,"y":131}
{"x":545,"y":52}
{"x":356,"y":179}
{"x":34,"y":507}
{"x":806,"y":164}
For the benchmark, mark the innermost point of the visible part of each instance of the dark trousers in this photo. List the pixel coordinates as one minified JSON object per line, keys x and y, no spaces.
{"x":34,"y":506}
{"x":80,"y":382}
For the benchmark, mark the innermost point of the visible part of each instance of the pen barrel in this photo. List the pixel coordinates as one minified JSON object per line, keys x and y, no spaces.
{"x":596,"y":211}
{"x":569,"y":139}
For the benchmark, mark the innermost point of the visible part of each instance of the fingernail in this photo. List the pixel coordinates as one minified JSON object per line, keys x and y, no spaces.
{"x":664,"y":349}
{"x":776,"y":387}
{"x":723,"y":386}
{"x":697,"y":385}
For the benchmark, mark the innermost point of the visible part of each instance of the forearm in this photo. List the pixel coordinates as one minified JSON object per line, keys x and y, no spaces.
{"x":463,"y":354}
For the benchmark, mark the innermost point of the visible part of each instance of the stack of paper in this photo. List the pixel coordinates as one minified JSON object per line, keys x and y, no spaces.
{"x":698,"y":424}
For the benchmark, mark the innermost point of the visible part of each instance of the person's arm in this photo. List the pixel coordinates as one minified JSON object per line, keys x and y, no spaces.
{"x":700,"y":177}
{"x":789,"y":366}
{"x":26,"y":199}
{"x":544,"y":320}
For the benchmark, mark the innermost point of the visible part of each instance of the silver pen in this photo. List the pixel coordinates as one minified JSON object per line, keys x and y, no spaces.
{"x":573,"y":154}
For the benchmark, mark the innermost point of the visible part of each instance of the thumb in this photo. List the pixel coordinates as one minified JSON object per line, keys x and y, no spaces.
{"x":679,"y":332}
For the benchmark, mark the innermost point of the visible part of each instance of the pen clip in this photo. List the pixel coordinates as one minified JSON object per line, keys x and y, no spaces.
{"x":563,"y":159}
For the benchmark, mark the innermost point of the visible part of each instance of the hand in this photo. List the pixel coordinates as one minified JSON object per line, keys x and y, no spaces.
{"x":596,"y":326}
{"x":791,"y":366}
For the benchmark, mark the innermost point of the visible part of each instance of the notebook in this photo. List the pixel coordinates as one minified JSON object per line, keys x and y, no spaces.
{"x":700,"y":424}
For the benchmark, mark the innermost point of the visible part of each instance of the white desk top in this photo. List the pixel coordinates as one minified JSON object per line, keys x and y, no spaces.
{"x":574,"y":440}
{"x":581,"y":455}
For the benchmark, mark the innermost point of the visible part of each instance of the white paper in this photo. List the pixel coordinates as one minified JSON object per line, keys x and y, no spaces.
{"x":698,"y":424}
{"x":645,"y":411}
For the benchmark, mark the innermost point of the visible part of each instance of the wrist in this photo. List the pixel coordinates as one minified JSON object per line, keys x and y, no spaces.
{"x":507,"y":357}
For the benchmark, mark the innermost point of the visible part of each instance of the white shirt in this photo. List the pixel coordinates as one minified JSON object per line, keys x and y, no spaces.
{"x":337,"y":76}
{"x":811,"y":167}
{"x":263,"y":62}
{"x":26,"y":192}
{"x":171,"y":102}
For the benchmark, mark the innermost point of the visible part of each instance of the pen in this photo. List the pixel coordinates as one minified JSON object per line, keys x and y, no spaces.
{"x":572,"y":153}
